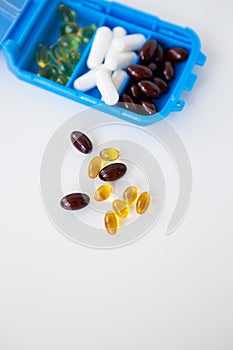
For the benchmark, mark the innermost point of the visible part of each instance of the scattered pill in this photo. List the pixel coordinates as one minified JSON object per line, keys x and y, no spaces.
{"x":65,"y":68}
{"x":113,"y":172}
{"x":62,"y":80}
{"x":110,"y":222}
{"x":120,"y":208}
{"x":58,"y":53}
{"x":94,"y":167}
{"x":120,"y":60}
{"x":100,"y":46}
{"x":118,"y":78}
{"x":109,"y":154}
{"x":81,"y":142}
{"x":168,"y":71}
{"x":69,"y":42}
{"x":69,"y":28}
{"x":106,"y":86}
{"x":148,"y":50}
{"x":138,"y":72}
{"x":130,"y":195}
{"x":148,"y":89}
{"x":75,"y":201}
{"x":85,"y":82}
{"x":103,"y":193}
{"x":161,"y":84}
{"x":66,"y":13}
{"x":74,"y":57}
{"x":50,"y":72}
{"x":87,"y":32}
{"x":176,"y":54}
{"x":143,"y":203}
{"x":131,"y":42}
{"x":42,"y":56}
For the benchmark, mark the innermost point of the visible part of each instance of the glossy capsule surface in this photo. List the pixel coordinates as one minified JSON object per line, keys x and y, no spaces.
{"x":65,"y":68}
{"x":130,"y":195}
{"x":148,"y":107}
{"x":58,"y":53}
{"x":103,"y":193}
{"x":74,"y":57}
{"x":42,"y":56}
{"x":75,"y":201}
{"x":148,"y":90}
{"x":148,"y":50}
{"x":113,"y":172}
{"x":143,"y":203}
{"x":139,"y":72}
{"x":109,"y":154}
{"x":161,"y":84}
{"x":49,"y":72}
{"x":87,"y":32}
{"x":69,"y":42}
{"x":177,"y":54}
{"x":168,"y":71}
{"x":69,"y":28}
{"x":110,"y":223}
{"x":159,"y":54}
{"x":66,"y":13}
{"x":94,"y":167}
{"x":62,"y":80}
{"x":127,"y":102}
{"x":81,"y":142}
{"x":120,"y":208}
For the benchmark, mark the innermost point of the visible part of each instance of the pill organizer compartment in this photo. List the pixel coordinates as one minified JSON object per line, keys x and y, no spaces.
{"x":28,"y":23}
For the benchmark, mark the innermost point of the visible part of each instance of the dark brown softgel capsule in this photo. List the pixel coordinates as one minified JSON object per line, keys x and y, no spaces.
{"x":75,"y":201}
{"x":81,"y":142}
{"x":138,"y":72}
{"x":148,"y":90}
{"x":148,"y":50}
{"x":177,"y":54}
{"x":153,"y":67}
{"x":113,"y":172}
{"x":128,"y":103}
{"x":168,"y":71}
{"x":161,"y":84}
{"x":149,"y":107}
{"x":134,"y":91}
{"x":159,"y":54}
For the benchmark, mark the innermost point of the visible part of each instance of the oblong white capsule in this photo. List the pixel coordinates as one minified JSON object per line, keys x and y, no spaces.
{"x":100,"y":46}
{"x":118,"y":78}
{"x":118,"y":32}
{"x":120,"y":61}
{"x":86,"y":81}
{"x":105,"y":86}
{"x":131,"y":42}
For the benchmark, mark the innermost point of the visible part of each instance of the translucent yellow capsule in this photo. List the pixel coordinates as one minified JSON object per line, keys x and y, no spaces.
{"x":87,"y":32}
{"x":69,"y":42}
{"x":110,"y":222}
{"x":42,"y":56}
{"x":67,"y":14}
{"x":103,"y":193}
{"x":109,"y":154}
{"x":62,"y":80}
{"x":120,"y":208}
{"x":65,"y":68}
{"x":94,"y":167}
{"x":130,"y":195}
{"x":50,"y":72}
{"x":74,"y":57}
{"x":143,"y":203}
{"x":69,"y":28}
{"x":58,"y":53}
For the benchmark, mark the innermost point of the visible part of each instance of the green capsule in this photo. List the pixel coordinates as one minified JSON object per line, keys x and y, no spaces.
{"x":69,"y":28}
{"x":61,"y":79}
{"x":70,"y":42}
{"x":58,"y":53}
{"x":65,"y":68}
{"x":67,"y":14}
{"x":50,"y":72}
{"x":87,"y":32}
{"x":74,"y":57}
{"x":42,"y":56}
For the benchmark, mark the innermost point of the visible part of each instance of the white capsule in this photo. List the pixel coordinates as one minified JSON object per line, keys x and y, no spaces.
{"x":106,"y":87}
{"x":120,"y":60}
{"x":85,"y":82}
{"x":131,"y":42}
{"x":118,"y":32}
{"x":100,"y":46}
{"x":118,"y":78}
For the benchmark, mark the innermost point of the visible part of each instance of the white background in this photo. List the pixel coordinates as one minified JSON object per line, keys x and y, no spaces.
{"x":162,"y":292}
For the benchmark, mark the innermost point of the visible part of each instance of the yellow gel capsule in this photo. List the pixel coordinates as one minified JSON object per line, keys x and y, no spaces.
{"x":143,"y":203}
{"x":120,"y":208}
{"x":67,"y":14}
{"x":62,"y":80}
{"x":87,"y":32}
{"x":58,"y":53}
{"x":69,"y":28}
{"x":130,"y":195}
{"x":110,"y":222}
{"x":69,"y":42}
{"x":42,"y":56}
{"x":94,"y":167}
{"x":109,"y":154}
{"x":103,"y":193}
{"x":49,"y":72}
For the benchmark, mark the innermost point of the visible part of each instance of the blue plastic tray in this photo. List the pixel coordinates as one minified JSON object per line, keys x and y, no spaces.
{"x":27,"y":23}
